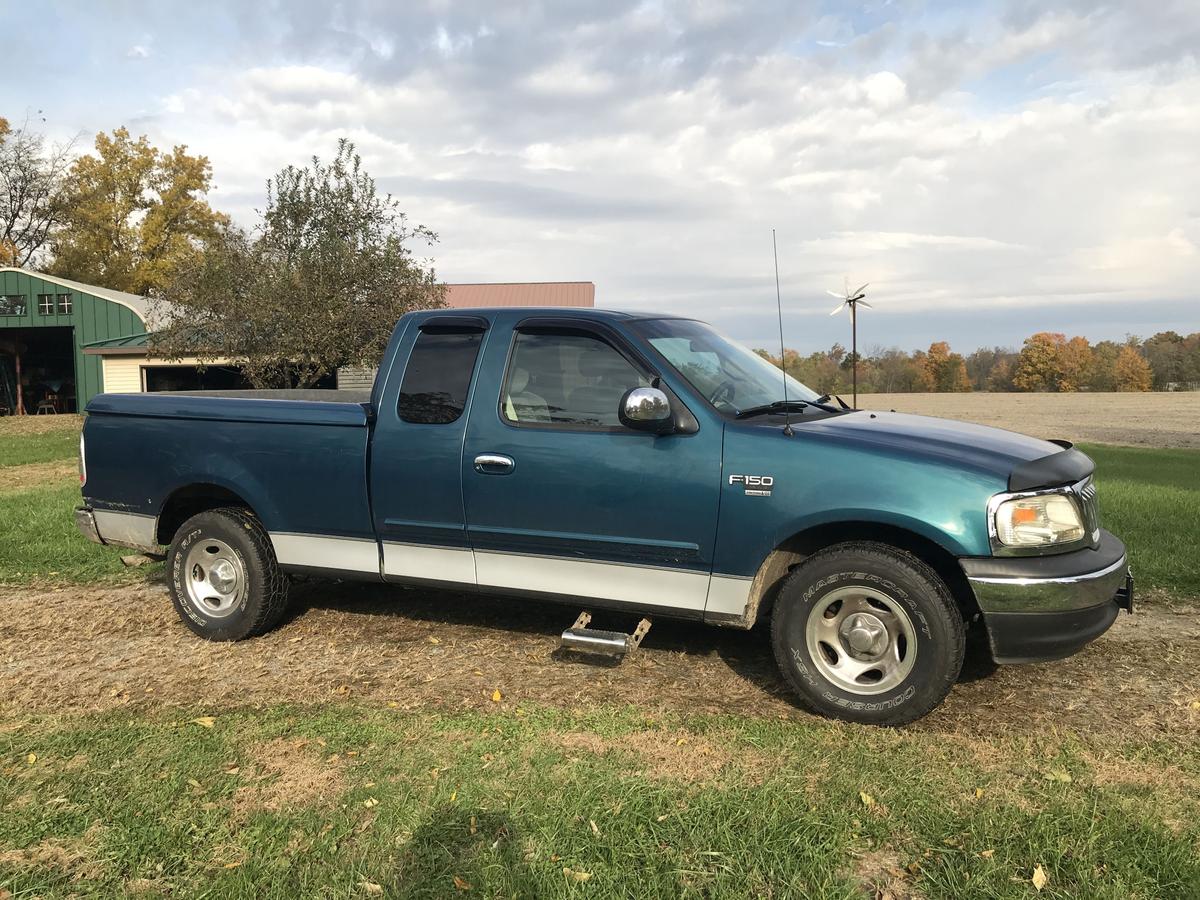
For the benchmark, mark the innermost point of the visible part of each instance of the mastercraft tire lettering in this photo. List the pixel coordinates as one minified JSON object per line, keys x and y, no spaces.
{"x":869,"y":633}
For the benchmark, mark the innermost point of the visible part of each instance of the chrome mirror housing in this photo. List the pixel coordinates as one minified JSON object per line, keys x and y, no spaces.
{"x":646,"y":409}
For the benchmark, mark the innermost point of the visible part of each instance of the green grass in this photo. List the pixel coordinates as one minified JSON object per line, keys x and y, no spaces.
{"x":501,"y":803}
{"x":39,"y":541}
{"x":1151,"y":500}
{"x":17,"y":449}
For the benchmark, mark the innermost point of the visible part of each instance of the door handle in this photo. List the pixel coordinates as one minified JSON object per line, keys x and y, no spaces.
{"x":494,"y":464}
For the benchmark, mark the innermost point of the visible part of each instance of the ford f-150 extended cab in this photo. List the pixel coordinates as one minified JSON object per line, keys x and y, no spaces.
{"x":635,"y":462}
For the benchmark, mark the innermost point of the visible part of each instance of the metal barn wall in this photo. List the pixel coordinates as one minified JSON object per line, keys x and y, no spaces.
{"x":92,"y":318}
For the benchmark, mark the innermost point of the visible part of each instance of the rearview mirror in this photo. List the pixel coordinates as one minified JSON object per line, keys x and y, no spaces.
{"x":646,"y":409}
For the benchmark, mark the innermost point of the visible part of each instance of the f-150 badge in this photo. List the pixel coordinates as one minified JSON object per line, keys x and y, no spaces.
{"x":756,"y":485}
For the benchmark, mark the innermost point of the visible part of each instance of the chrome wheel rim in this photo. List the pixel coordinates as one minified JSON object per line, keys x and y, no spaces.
{"x":861,"y":640}
{"x":214,"y":578}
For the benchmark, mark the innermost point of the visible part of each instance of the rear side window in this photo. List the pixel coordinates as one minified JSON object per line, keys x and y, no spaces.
{"x":437,"y":377}
{"x":566,"y":379}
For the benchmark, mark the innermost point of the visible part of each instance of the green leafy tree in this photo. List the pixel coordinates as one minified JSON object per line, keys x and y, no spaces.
{"x":133,"y":216}
{"x":319,"y":286}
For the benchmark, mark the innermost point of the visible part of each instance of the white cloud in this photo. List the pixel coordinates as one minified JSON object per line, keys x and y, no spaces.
{"x":1016,"y":161}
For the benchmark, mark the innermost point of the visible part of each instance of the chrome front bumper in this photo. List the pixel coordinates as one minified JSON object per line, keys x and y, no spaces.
{"x":1048,"y":607}
{"x":1078,"y":580}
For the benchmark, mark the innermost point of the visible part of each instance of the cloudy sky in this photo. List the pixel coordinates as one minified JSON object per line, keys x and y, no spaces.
{"x":992,"y":169}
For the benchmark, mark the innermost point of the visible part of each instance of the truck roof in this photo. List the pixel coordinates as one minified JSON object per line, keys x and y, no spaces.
{"x":565,"y":312}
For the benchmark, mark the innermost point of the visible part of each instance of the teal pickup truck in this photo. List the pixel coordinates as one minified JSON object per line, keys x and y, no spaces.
{"x":625,"y":461}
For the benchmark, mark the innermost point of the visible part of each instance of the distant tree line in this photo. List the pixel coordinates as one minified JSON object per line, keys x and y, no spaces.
{"x":1047,"y":362}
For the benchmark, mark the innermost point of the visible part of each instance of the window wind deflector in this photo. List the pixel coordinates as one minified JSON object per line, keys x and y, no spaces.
{"x":455,"y":323}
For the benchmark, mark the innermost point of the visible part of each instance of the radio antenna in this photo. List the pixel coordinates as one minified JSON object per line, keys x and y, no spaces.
{"x":787,"y":410}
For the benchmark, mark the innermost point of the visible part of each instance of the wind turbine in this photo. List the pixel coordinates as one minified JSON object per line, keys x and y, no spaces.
{"x":852,"y":300}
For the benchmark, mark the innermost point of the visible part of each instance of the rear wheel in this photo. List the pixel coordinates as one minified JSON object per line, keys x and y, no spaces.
{"x":225,"y":582}
{"x":868,"y":633}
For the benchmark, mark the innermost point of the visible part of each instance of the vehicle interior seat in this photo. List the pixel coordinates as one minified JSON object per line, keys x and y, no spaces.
{"x":521,"y":405}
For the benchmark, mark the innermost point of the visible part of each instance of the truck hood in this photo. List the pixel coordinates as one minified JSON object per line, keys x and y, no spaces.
{"x":978,"y":447}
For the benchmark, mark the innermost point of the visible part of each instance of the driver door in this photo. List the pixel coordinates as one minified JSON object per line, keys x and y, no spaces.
{"x":562,"y":499}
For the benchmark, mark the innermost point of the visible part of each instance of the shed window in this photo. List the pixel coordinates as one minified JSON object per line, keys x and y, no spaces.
{"x":45,"y":304}
{"x":64,"y":304}
{"x":12,"y":305}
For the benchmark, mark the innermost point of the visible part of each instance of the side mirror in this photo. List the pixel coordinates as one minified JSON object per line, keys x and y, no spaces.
{"x":646,"y":409}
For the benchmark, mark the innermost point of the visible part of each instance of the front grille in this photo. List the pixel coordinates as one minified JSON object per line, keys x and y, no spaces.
{"x":1090,"y":504}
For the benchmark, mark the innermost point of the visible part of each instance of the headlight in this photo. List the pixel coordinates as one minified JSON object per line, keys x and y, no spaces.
{"x":1039,"y":521}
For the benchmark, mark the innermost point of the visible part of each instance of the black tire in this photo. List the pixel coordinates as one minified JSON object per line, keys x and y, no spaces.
{"x":894,"y":578}
{"x":258,"y":601}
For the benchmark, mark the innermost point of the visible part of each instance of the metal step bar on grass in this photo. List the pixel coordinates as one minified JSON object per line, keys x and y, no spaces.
{"x":582,"y":639}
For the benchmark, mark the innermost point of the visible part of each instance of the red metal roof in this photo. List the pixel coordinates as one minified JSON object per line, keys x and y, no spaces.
{"x":538,"y":293}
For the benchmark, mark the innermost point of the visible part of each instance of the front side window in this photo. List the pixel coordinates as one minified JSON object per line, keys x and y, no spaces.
{"x":45,"y":304}
{"x":571,"y":379}
{"x":12,"y":305}
{"x":731,"y":376}
{"x":438,"y":376}
{"x":64,"y":304}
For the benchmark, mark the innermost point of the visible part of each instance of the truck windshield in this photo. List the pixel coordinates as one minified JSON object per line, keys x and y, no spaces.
{"x":731,"y":376}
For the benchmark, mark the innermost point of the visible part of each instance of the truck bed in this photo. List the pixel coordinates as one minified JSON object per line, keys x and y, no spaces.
{"x":298,"y":458}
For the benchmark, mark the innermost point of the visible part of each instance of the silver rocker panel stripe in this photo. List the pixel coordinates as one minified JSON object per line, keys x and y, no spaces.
{"x":321,"y":551}
{"x":674,"y":588}
{"x":728,"y":595}
{"x":455,"y":564}
{"x":129,"y":529}
{"x":601,"y":580}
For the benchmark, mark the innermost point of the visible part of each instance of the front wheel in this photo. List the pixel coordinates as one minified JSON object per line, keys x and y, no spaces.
{"x":225,"y":582}
{"x":868,"y":633}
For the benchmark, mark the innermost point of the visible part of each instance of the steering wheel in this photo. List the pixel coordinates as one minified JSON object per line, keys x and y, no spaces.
{"x":724,"y":393}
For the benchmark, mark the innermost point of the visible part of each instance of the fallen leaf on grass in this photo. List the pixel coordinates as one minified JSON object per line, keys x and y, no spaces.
{"x":1059,"y":775}
{"x":978,"y":793}
{"x":595,"y":827}
{"x":987,"y":854}
{"x":1040,"y":878}
{"x":31,"y":758}
{"x":370,"y":802}
{"x":867,"y":800}
{"x":371,"y":888}
{"x":205,"y":721}
{"x":496,"y":696}
{"x":461,"y":884}
{"x":572,"y":875}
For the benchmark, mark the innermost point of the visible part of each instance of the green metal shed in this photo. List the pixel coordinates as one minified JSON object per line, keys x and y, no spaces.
{"x":45,"y":322}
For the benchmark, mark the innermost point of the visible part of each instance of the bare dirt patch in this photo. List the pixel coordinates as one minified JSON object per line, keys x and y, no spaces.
{"x":22,"y":478}
{"x":73,"y":856}
{"x":83,"y":649}
{"x":672,"y":756}
{"x":882,"y":876}
{"x":288,"y":774}
{"x":1135,"y":420}
{"x":20,"y":426}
